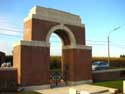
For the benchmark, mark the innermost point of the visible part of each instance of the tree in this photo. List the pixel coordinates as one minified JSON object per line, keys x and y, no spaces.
{"x":9,"y":58}
{"x":55,"y":62}
{"x":122,"y":56}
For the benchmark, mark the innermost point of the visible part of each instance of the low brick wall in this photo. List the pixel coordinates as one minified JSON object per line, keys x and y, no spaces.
{"x":8,"y":80}
{"x":111,"y":74}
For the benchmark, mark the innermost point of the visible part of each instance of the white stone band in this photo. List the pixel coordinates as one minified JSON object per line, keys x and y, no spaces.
{"x":33,"y":43}
{"x":54,"y":16}
{"x":38,"y":87}
{"x":79,"y":82}
{"x":77,"y":47}
{"x":109,"y":70}
{"x":7,"y":68}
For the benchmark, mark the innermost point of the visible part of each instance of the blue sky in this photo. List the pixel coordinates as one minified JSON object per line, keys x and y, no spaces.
{"x":99,"y":17}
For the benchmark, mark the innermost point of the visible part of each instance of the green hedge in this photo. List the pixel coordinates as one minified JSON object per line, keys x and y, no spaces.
{"x":55,"y":62}
{"x":114,"y":61}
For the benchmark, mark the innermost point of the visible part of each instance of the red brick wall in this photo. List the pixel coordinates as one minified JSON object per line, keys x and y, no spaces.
{"x":8,"y":79}
{"x":108,"y":75}
{"x":79,"y":64}
{"x":17,"y":61}
{"x":33,"y":62}
{"x":33,"y":65}
{"x":38,"y":30}
{"x":27,"y":30}
{"x":79,"y":33}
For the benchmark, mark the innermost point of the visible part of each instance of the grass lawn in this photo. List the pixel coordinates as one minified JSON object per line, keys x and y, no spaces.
{"x":29,"y":92}
{"x":113,"y":84}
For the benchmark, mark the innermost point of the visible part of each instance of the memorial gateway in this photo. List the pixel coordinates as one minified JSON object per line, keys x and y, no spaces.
{"x":32,"y":54}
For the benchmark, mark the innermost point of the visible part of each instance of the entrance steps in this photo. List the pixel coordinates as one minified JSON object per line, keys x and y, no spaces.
{"x":79,"y":89}
{"x":90,"y":89}
{"x":106,"y":93}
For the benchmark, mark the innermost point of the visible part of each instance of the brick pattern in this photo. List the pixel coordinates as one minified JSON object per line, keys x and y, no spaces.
{"x":79,"y":33}
{"x":33,"y":62}
{"x":78,"y":62}
{"x":36,"y":29}
{"x":33,"y":65}
{"x":8,"y":80}
{"x":108,"y":75}
{"x":17,"y":61}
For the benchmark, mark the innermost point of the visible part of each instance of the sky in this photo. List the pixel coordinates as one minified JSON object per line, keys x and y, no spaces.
{"x":99,"y":16}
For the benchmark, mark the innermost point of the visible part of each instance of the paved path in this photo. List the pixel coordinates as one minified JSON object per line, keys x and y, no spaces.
{"x":92,"y":89}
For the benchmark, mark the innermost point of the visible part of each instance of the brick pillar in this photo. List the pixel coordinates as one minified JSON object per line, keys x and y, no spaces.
{"x":77,"y":65}
{"x":32,"y":60}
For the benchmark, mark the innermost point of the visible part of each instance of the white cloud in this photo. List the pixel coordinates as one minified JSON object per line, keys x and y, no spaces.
{"x":3,"y":18}
{"x":6,"y":32}
{"x":4,"y":47}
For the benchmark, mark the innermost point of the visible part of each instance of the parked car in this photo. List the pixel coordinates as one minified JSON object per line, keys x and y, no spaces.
{"x":7,"y":64}
{"x":100,"y":65}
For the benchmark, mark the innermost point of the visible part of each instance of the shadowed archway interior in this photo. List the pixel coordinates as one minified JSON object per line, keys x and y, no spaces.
{"x":57,"y":72}
{"x":64,"y":36}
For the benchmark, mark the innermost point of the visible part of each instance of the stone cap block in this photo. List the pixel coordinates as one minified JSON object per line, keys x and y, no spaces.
{"x":54,"y":15}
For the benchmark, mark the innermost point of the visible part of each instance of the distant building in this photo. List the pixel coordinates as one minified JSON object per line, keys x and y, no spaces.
{"x":2,"y":57}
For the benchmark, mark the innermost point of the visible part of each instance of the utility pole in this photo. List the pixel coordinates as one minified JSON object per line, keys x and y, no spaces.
{"x":109,"y":42}
{"x":108,"y":51}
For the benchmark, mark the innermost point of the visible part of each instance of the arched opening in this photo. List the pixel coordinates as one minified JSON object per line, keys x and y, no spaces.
{"x":67,"y":39}
{"x":55,"y":45}
{"x":55,"y":52}
{"x":64,"y":33}
{"x":58,"y":39}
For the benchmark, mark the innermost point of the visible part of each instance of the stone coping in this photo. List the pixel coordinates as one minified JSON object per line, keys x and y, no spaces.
{"x":7,"y":68}
{"x":54,"y":15}
{"x":91,"y":89}
{"x":78,"y":47}
{"x":32,"y":43}
{"x":39,"y":87}
{"x":109,"y":70}
{"x":79,"y":82}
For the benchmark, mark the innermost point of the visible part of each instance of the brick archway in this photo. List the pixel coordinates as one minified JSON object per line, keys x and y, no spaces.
{"x":31,"y":55}
{"x":58,"y":29}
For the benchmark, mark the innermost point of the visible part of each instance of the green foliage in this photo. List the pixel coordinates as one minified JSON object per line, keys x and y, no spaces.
{"x":9,"y":58}
{"x":114,"y":61}
{"x":55,"y":62}
{"x":122,"y":56}
{"x":113,"y":84}
{"x":54,"y":59}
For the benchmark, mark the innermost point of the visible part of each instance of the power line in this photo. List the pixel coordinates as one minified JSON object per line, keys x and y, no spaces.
{"x":10,"y":35}
{"x":96,"y":41}
{"x":119,"y":47}
{"x":12,"y":30}
{"x":92,"y":42}
{"x":17,"y":31}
